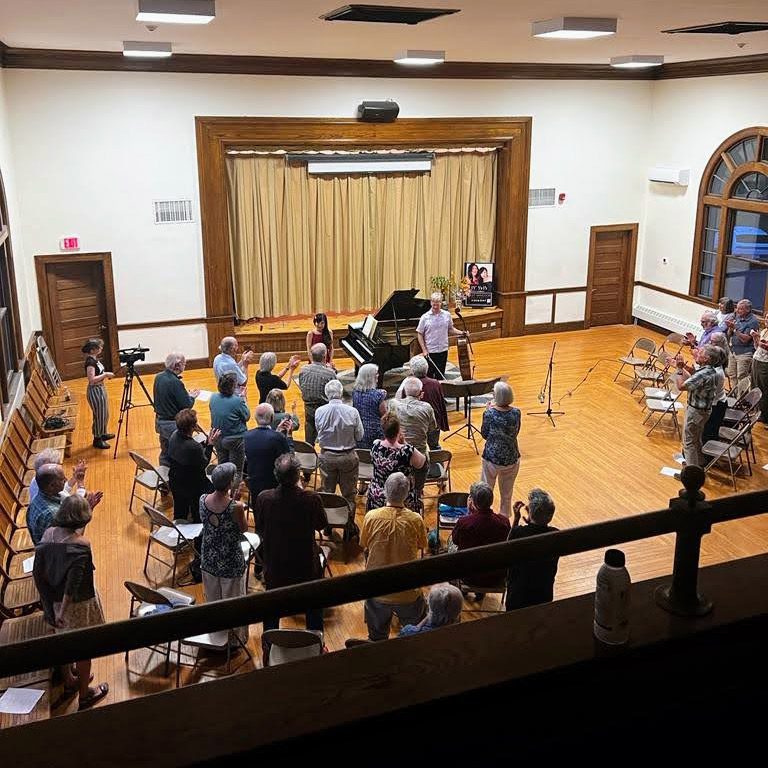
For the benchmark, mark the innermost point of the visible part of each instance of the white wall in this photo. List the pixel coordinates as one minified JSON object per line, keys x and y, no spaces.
{"x":690,"y":118}
{"x":93,"y":149}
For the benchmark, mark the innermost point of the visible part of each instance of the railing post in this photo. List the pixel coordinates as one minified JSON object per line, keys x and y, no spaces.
{"x":692,"y":521}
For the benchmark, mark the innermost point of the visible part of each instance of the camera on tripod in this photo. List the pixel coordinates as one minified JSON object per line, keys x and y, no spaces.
{"x":132,"y":355}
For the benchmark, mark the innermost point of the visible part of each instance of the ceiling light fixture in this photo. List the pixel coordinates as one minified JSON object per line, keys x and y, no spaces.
{"x":420,"y":58}
{"x":142,"y":50}
{"x":176,"y":11}
{"x":574,"y":28}
{"x":636,"y":62}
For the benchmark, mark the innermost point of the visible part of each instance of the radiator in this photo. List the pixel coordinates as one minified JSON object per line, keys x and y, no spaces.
{"x":664,"y":320}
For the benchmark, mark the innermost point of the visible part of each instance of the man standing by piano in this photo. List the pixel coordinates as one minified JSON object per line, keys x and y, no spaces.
{"x":433,"y":331}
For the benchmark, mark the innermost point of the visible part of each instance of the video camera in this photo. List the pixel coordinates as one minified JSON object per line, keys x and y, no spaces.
{"x":131,"y":355}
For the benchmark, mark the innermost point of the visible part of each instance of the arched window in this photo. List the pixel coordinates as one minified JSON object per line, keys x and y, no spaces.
{"x":730,"y":252}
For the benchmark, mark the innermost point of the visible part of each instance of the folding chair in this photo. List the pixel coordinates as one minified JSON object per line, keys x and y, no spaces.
{"x":654,"y":373}
{"x":17,"y":593}
{"x":307,"y":457}
{"x":148,"y":476}
{"x":177,"y":538}
{"x":250,"y":545}
{"x":23,"y":434}
{"x":339,"y":515}
{"x":500,"y":588}
{"x":145,"y":601}
{"x":736,"y":396}
{"x":730,"y":451}
{"x":364,"y":470}
{"x":635,"y":357}
{"x":675,"y":340}
{"x":446,"y":523}
{"x":729,"y":433}
{"x":442,"y":460}
{"x":736,"y":417}
{"x":281,"y":646}
{"x":664,"y":407}
{"x":218,"y":642}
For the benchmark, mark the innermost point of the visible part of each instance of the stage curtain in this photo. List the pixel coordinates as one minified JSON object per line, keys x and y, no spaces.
{"x":302,"y":244}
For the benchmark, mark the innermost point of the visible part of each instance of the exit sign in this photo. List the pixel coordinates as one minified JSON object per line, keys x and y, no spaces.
{"x":69,"y":243}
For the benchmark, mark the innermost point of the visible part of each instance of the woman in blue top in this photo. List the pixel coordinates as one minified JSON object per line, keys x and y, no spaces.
{"x":222,"y":560}
{"x":501,"y":456}
{"x":230,"y":414}
{"x":369,"y":402}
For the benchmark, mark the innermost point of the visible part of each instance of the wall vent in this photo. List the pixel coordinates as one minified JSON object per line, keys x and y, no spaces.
{"x":386,"y":14}
{"x":665,"y":320}
{"x":541,"y":198}
{"x":720,"y":28}
{"x":173,"y":212}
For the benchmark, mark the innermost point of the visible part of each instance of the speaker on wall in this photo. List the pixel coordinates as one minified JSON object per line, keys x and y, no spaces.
{"x":378,"y":111}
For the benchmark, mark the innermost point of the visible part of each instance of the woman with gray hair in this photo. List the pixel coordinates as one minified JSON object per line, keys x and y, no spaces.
{"x":267,"y":381}
{"x":370,"y":403}
{"x":276,"y":399}
{"x":501,"y":455}
{"x":432,"y":393}
{"x":444,"y":604}
{"x":222,"y":561}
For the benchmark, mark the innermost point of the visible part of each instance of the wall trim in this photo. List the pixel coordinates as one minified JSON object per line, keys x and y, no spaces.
{"x":534,"y":328}
{"x":676,"y":294}
{"x":170,"y":323}
{"x":142,"y":368}
{"x":114,"y":61}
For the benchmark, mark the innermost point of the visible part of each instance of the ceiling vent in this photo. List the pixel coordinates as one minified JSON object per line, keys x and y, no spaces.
{"x":721,"y":28}
{"x":541,"y":198}
{"x":386,"y":14}
{"x":173,"y":212}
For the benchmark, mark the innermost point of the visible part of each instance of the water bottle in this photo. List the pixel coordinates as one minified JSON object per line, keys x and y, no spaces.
{"x":612,"y":600}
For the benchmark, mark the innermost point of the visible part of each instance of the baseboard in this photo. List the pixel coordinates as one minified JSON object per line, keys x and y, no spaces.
{"x":651,"y":327}
{"x":577,"y":325}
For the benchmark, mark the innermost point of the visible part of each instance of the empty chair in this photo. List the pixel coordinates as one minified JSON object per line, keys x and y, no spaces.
{"x":307,"y":457}
{"x":660,"y":408}
{"x":439,"y":470}
{"x":466,"y":585}
{"x":217,"y":642}
{"x":281,"y":646}
{"x":20,"y":630}
{"x":735,"y":417}
{"x":176,"y":538}
{"x":728,"y":451}
{"x":640,"y":354}
{"x":364,"y":470}
{"x":339,"y":516}
{"x":148,"y":476}
{"x":737,"y":394}
{"x":655,"y":372}
{"x":446,"y":522}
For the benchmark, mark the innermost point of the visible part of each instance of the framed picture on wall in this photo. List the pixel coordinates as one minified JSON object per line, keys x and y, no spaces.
{"x":480,"y":276}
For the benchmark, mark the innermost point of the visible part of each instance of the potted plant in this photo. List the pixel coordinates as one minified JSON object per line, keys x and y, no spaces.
{"x":445,"y":285}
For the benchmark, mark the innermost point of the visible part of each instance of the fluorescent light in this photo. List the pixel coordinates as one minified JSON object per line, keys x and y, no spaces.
{"x":141,"y":50}
{"x":574,"y":28}
{"x":176,"y":11}
{"x":636,"y":62}
{"x":420,"y":58}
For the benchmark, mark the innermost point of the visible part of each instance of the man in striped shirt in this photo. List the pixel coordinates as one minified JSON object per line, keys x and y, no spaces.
{"x":701,"y":386}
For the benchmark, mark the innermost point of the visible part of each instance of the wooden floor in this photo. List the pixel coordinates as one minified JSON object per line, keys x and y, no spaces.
{"x":597,"y":463}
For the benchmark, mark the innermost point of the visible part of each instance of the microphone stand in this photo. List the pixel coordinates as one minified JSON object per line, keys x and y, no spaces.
{"x":549,"y":413}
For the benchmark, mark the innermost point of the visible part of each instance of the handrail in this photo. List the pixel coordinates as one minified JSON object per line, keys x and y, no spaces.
{"x":687,"y":516}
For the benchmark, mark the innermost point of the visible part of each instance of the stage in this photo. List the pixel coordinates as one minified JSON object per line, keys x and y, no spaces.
{"x":288,"y":336}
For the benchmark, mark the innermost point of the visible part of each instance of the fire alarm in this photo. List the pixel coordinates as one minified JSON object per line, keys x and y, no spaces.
{"x":561,"y":198}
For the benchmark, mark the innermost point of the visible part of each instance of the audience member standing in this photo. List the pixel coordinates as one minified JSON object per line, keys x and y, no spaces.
{"x":188,"y":459}
{"x":389,"y":455}
{"x":701,"y":386}
{"x":392,"y":535}
{"x":221,"y":559}
{"x":267,"y":381}
{"x":432,"y":393}
{"x":225,"y":361}
{"x":321,"y":334}
{"x":312,"y":381}
{"x":230,"y":414}
{"x":170,"y":396}
{"x":501,"y":455}
{"x":720,"y":400}
{"x":725,"y":308}
{"x":287,"y":518}
{"x":760,"y":370}
{"x":480,"y":527}
{"x":709,"y":326}
{"x":740,"y":327}
{"x":96,"y":393}
{"x":262,"y":446}
{"x":339,"y":428}
{"x":530,"y":582}
{"x":55,"y":456}
{"x":369,"y":401}
{"x":433,"y":331}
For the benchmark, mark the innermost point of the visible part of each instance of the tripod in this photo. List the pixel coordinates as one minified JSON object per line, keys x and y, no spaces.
{"x":126,"y":402}
{"x":549,"y":413}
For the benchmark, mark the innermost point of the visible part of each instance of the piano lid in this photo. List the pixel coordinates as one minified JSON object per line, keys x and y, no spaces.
{"x":402,"y":305}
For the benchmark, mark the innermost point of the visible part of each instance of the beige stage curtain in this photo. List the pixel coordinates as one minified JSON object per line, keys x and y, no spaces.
{"x":302,"y":244}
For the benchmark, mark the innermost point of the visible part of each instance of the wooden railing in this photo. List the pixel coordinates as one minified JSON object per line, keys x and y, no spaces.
{"x":689,"y":517}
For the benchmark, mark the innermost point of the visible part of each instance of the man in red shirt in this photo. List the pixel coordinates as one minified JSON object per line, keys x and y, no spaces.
{"x":481,"y":526}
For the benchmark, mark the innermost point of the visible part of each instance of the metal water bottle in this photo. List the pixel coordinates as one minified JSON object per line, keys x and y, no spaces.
{"x":612,"y":600}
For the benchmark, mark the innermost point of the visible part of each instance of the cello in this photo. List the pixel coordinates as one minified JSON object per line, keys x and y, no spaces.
{"x":466,"y":353}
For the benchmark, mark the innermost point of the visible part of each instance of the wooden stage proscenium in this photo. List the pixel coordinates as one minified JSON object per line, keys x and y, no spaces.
{"x":289,"y":337}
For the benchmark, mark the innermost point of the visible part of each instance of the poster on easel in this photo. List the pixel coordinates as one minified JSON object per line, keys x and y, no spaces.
{"x":480,"y":277}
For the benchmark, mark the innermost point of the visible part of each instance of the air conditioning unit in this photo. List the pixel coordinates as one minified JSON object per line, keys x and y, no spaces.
{"x":678,"y":176}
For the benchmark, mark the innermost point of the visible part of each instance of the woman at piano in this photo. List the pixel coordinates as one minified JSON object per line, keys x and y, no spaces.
{"x":320,"y":334}
{"x":370,"y":403}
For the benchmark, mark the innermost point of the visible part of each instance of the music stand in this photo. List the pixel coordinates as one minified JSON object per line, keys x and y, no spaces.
{"x":468,"y":390}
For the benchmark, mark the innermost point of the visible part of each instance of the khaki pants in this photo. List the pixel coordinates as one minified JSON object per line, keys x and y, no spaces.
{"x":739,"y":367}
{"x":340,"y":469}
{"x":220,"y":588}
{"x":693,"y":429}
{"x":506,"y":476}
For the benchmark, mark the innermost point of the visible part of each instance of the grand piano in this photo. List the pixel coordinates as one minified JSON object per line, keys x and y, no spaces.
{"x":385,"y":337}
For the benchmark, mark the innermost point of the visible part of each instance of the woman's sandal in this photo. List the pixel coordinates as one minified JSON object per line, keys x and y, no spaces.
{"x":102,"y":689}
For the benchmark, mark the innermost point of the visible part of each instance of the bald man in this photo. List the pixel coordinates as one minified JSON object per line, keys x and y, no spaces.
{"x":263,"y":445}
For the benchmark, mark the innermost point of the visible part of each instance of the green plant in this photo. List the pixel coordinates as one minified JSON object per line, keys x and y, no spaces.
{"x":442,"y":283}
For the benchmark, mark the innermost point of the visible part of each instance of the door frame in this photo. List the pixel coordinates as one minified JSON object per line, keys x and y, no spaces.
{"x":629,"y":289}
{"x":105,"y":261}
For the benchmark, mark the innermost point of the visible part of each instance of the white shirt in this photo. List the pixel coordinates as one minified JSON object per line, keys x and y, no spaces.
{"x":434,"y":326}
{"x":761,"y":355}
{"x":227,"y":364}
{"x":339,"y":426}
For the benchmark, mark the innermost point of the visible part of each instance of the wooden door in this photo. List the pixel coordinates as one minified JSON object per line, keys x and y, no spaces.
{"x":77,"y":303}
{"x":610,"y":283}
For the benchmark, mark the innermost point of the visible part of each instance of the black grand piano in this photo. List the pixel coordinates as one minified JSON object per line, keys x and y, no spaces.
{"x":385,"y":337}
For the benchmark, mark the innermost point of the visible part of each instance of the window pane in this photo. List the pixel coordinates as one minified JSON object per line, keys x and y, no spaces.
{"x":719,"y":177}
{"x":765,"y":149}
{"x":751,"y":186}
{"x":708,"y":263}
{"x":706,"y":286}
{"x":749,"y":237}
{"x":712,"y":217}
{"x":745,"y":151}
{"x":709,"y":246}
{"x":711,"y":237}
{"x":746,"y":279}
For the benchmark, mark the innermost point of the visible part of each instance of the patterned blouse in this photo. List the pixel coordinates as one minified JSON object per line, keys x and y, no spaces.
{"x":386,"y":461}
{"x":500,"y":429}
{"x":367,"y":403}
{"x":221,"y":554}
